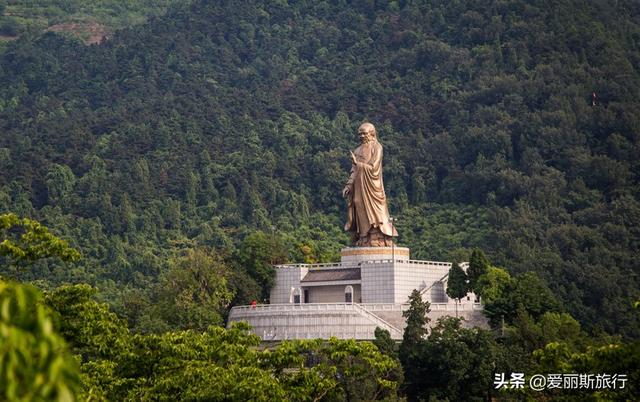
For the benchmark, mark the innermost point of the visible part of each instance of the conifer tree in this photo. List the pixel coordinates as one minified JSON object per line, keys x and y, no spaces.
{"x":478,"y":265}
{"x":417,"y":320}
{"x":457,"y":284}
{"x":413,"y":342}
{"x":384,"y":343}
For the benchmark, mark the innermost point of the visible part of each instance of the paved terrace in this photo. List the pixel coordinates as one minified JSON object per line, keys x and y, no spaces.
{"x":341,"y":320}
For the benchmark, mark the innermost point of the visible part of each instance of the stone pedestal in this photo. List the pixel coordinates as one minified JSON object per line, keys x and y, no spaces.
{"x":354,"y":255}
{"x":309,"y":300}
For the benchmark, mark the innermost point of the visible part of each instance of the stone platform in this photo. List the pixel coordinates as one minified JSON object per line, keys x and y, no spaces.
{"x":368,"y":288}
{"x":277,"y":322}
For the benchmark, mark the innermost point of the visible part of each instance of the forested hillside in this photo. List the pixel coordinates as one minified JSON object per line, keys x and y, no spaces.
{"x":89,"y":20}
{"x":226,"y":125}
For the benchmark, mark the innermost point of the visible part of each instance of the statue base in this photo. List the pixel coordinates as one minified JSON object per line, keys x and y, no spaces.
{"x":375,"y":238}
{"x":351,"y":255}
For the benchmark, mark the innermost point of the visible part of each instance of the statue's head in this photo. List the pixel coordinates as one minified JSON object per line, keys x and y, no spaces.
{"x":367,"y":132}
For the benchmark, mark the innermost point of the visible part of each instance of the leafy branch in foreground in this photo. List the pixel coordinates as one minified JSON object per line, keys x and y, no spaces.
{"x":26,"y":240}
{"x":34,"y":361}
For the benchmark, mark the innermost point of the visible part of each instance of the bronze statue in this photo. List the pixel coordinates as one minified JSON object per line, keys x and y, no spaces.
{"x":367,"y":215}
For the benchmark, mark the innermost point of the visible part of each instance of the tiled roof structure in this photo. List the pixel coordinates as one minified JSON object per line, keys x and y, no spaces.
{"x":324,"y":275}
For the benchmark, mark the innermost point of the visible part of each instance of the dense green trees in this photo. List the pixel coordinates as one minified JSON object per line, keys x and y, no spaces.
{"x":478,"y":266}
{"x":447,"y":362}
{"x":505,"y":296}
{"x":187,"y":131}
{"x":25,"y":240}
{"x":457,"y":363}
{"x":83,"y":18}
{"x":417,"y":320}
{"x":192,"y":294}
{"x":508,"y":300}
{"x":40,"y":336}
{"x":218,"y":136}
{"x":596,"y":359}
{"x":34,"y":359}
{"x":257,"y":254}
{"x":215,"y":364}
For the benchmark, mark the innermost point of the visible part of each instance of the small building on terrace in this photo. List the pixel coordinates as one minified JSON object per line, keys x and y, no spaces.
{"x":368,"y":288}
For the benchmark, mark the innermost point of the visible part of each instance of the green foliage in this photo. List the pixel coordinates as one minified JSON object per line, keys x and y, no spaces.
{"x":80,"y":16}
{"x":412,"y":344}
{"x":257,"y":254}
{"x":219,"y":364}
{"x":89,"y":327}
{"x":442,"y":232}
{"x":560,"y":326}
{"x":176,"y":365}
{"x":384,"y":343}
{"x":457,"y":282}
{"x":417,"y":320}
{"x":534,"y":295}
{"x":215,"y":364}
{"x":34,"y":362}
{"x":456,"y":363}
{"x":493,"y":284}
{"x":217,"y":130}
{"x":506,"y":297}
{"x":25,"y":240}
{"x":9,"y":26}
{"x":245,"y":288}
{"x":529,"y":334}
{"x":478,"y":266}
{"x":452,"y":363}
{"x":193,"y":294}
{"x":613,"y":358}
{"x":349,"y":370}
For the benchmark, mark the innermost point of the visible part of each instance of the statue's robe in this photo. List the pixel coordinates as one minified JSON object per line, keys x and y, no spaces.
{"x":367,"y":200}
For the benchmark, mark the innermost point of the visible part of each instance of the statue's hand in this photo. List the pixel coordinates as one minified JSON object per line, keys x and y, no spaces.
{"x":346,"y":191}
{"x":353,"y":158}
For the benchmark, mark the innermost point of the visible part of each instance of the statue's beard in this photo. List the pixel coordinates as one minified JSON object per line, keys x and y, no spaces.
{"x":367,"y":139}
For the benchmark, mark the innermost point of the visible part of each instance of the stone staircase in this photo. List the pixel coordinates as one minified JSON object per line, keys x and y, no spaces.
{"x":394,"y":331}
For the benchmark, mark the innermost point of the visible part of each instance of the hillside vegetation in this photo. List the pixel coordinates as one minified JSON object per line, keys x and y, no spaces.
{"x":226,"y":125}
{"x":90,"y":21}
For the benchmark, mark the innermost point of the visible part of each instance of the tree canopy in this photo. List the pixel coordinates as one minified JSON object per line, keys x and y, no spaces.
{"x":221,"y":119}
{"x":217,"y":136}
{"x":457,"y":282}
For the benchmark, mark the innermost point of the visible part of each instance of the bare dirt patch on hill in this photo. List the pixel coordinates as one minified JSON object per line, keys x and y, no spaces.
{"x":89,"y":32}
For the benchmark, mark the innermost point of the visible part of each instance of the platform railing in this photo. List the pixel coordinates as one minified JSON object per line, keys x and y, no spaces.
{"x":337,"y":265}
{"x":369,"y":307}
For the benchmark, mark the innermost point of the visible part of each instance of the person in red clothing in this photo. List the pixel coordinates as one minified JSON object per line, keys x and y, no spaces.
{"x":254,"y":303}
